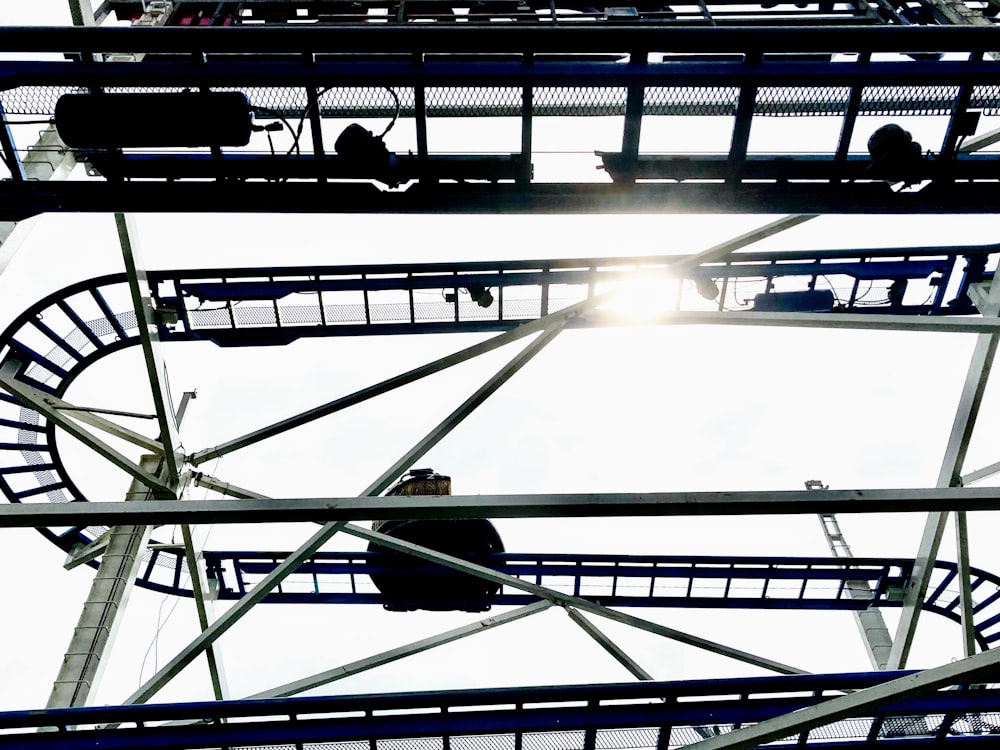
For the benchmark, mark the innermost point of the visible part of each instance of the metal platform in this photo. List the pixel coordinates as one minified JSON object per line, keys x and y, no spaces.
{"x":652,"y":715}
{"x":518,"y":71}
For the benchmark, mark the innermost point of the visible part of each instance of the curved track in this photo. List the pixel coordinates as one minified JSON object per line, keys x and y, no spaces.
{"x":60,"y":336}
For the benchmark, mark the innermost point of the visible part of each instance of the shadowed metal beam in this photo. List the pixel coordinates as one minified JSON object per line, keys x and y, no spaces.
{"x":557,"y":318}
{"x":258,"y":509}
{"x":557,"y":597}
{"x":149,"y":338}
{"x":294,"y":560}
{"x":386,"y":657}
{"x":33,"y":398}
{"x":949,"y":475}
{"x":855,"y":704}
{"x":608,"y":645}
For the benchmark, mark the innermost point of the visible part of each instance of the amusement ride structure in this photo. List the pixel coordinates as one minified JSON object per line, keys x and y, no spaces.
{"x":265,"y":106}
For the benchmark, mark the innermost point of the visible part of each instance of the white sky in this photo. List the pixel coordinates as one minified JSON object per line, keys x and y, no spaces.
{"x":641,"y":409}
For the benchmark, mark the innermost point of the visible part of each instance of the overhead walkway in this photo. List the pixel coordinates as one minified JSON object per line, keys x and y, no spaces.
{"x":303,"y":97}
{"x":54,"y":340}
{"x":649,"y":715}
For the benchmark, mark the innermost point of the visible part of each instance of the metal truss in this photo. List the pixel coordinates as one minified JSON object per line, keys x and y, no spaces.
{"x":542,"y":60}
{"x":647,"y":714}
{"x":53,"y":341}
{"x":441,"y":70}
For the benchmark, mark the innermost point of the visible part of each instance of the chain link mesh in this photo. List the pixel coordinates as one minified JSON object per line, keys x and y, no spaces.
{"x":690,"y":100}
{"x":801,"y":101}
{"x":908,"y":100}
{"x":573,"y":101}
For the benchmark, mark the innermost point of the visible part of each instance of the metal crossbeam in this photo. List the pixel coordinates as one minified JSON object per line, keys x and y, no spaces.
{"x":568,"y":600}
{"x":292,"y":562}
{"x":149,"y":339}
{"x":387,"y":657}
{"x":291,"y":510}
{"x":949,"y":475}
{"x":858,"y":703}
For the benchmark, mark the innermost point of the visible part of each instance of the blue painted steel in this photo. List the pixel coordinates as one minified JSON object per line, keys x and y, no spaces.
{"x":682,"y":711}
{"x":203,"y":303}
{"x":429,"y":57}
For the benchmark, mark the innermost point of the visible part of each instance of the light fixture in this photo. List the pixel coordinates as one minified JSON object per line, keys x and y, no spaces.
{"x":481,"y":295}
{"x":706,"y":287}
{"x":894,"y":153}
{"x":185,"y":119}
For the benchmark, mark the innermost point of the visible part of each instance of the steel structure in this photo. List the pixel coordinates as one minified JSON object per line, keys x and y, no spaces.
{"x":309,"y":68}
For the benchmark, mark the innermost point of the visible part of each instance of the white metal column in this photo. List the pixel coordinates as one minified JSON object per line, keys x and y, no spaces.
{"x":84,"y":661}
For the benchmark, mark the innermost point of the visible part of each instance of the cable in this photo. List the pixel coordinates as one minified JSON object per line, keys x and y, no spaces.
{"x":832,"y":289}
{"x":287,"y":124}
{"x":302,"y":121}
{"x":395,"y":116}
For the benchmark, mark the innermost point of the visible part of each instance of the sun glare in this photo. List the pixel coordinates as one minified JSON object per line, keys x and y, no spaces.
{"x":644,"y":296}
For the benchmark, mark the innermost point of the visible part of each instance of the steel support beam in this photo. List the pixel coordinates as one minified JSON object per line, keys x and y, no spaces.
{"x":83,"y":664}
{"x":566,"y":600}
{"x":608,"y":645}
{"x":871,"y":624}
{"x":502,"y":38}
{"x":948,"y":476}
{"x":559,"y":318}
{"x":200,"y":590}
{"x":980,"y":474}
{"x":395,"y":654}
{"x":149,"y":338}
{"x":982,"y":666}
{"x":82,"y":13}
{"x":257,"y":509}
{"x":554,"y":319}
{"x":47,"y":159}
{"x":292,"y":562}
{"x":33,"y":398}
{"x":964,"y":584}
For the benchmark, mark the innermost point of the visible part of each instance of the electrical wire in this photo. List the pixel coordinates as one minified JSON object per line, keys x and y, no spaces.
{"x":833,"y":289}
{"x":161,"y":622}
{"x":395,"y":116}
{"x":284,"y":120}
{"x":302,"y":121}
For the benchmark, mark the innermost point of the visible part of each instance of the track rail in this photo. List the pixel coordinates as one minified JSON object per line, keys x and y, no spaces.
{"x":63,"y":334}
{"x":653,"y":715}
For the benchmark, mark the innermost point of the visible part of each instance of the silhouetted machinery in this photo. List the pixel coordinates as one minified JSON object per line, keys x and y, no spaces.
{"x":407,"y":582}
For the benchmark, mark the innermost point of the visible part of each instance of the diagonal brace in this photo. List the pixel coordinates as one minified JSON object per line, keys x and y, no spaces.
{"x":30,"y":397}
{"x":557,"y":597}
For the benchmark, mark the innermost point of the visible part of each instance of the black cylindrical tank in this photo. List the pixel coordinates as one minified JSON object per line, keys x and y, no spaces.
{"x":409,"y":583}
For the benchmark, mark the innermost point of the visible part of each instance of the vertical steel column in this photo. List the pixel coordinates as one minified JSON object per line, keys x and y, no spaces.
{"x":949,"y":476}
{"x":527,"y":125}
{"x":95,"y":630}
{"x":964,"y":584}
{"x":202,"y":594}
{"x":316,"y":126}
{"x":633,"y":117}
{"x":9,"y":149}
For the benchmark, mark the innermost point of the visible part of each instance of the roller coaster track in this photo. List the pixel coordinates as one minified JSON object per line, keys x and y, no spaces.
{"x":56,"y":339}
{"x":653,"y":715}
{"x":522,"y":71}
